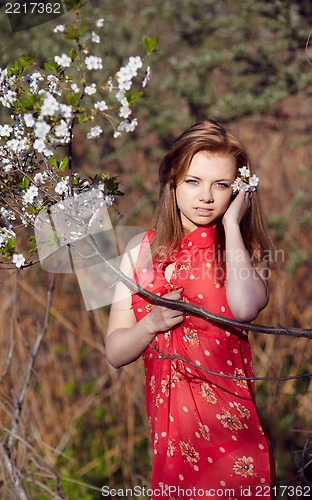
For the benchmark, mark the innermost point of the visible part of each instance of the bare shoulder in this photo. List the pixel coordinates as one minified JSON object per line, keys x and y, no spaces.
{"x":121,"y":313}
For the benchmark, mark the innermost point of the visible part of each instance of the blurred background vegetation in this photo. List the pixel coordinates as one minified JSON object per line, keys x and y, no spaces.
{"x":247,"y":64}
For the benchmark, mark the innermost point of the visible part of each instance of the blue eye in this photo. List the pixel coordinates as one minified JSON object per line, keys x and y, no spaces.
{"x":191,"y":181}
{"x":222,"y":185}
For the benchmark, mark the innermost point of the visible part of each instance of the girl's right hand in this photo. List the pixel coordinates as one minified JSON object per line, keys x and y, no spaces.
{"x":162,"y":319}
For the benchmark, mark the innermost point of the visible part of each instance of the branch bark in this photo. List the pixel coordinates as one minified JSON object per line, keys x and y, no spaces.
{"x":290,"y":331}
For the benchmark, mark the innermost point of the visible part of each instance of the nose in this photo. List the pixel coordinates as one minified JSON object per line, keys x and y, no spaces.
{"x":206,"y":195}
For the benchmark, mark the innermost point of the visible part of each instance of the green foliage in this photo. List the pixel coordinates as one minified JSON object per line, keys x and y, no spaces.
{"x":150,"y":44}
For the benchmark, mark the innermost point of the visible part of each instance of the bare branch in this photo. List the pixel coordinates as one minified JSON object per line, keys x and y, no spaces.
{"x":290,"y":331}
{"x":28,"y":374}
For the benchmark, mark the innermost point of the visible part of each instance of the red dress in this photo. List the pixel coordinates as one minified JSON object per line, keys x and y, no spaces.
{"x":207,"y":439}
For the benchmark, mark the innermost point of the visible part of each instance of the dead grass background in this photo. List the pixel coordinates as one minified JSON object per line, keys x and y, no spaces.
{"x":83,"y":423}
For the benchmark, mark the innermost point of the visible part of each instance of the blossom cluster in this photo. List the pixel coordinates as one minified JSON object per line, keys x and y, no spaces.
{"x":245,"y":181}
{"x":43,"y":106}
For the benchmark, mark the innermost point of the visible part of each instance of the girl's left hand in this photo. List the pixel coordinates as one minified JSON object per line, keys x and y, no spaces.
{"x":237,"y":209}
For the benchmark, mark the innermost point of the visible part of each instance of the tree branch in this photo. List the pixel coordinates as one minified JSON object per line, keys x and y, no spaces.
{"x":290,"y":331}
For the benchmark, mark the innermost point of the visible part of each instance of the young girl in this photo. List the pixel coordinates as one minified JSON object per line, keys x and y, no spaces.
{"x":208,"y":246}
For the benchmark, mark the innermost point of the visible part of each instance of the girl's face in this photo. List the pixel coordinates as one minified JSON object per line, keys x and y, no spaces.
{"x":204,"y":193}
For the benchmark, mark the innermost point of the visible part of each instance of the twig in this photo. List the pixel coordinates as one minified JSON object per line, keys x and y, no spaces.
{"x":27,"y":377}
{"x":13,"y":472}
{"x":238,"y":378}
{"x":12,"y":343}
{"x":199,"y":311}
{"x":7,"y":448}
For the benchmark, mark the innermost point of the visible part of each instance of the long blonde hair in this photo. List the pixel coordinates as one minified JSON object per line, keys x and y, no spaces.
{"x":214,"y":138}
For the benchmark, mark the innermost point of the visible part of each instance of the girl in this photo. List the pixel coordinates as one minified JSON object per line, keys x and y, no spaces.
{"x":208,"y":247}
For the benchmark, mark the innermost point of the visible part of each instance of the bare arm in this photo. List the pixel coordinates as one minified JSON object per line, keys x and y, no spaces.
{"x":126,"y":339}
{"x":246,"y":286}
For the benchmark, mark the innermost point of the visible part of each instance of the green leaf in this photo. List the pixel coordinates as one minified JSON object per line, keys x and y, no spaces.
{"x":10,"y":245}
{"x":131,"y":98}
{"x":28,"y":102}
{"x":83,"y":30}
{"x":26,"y":61}
{"x":33,"y":240}
{"x":23,"y":184}
{"x":72,"y":55}
{"x":150,"y":44}
{"x":73,"y":98}
{"x":71,"y":35}
{"x":75,"y":180}
{"x":50,"y":67}
{"x":53,"y":162}
{"x":64,"y":164}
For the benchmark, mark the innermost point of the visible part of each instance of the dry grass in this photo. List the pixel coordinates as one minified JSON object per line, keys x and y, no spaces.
{"x":85,"y":420}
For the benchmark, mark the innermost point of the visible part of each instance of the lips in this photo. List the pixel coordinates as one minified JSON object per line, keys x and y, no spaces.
{"x":203,"y":212}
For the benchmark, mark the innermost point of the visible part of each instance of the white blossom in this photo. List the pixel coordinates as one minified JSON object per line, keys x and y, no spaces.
{"x":65,"y":111}
{"x":95,"y":37}
{"x":94,"y":132}
{"x":93,"y":62}
{"x":7,"y":214}
{"x":32,"y":81}
{"x":60,"y":28}
{"x":147,"y":77}
{"x":30,"y":194}
{"x":39,"y":145}
{"x":17,"y":145}
{"x":254,"y":181}
{"x":127,"y":126}
{"x":100,"y":23}
{"x":101,"y":106}
{"x":29,"y":120}
{"x":90,"y":89}
{"x":64,"y":61}
{"x":5,"y":130}
{"x":135,"y":63}
{"x":18,"y":259}
{"x":62,"y":130}
{"x":8,"y":98}
{"x":126,"y":73}
{"x":109,"y":200}
{"x":244,"y":172}
{"x":125,"y":111}
{"x":50,"y":105}
{"x":54,"y":84}
{"x":40,"y":178}
{"x":75,"y":88}
{"x":41,"y":129}
{"x":62,"y":186}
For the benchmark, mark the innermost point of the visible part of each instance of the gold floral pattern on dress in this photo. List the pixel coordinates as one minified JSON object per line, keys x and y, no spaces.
{"x":190,"y":336}
{"x":204,"y":430}
{"x":189,"y":453}
{"x":238,"y":372}
{"x":165,"y":386}
{"x":208,"y":394}
{"x":158,"y":400}
{"x":171,"y":447}
{"x":243,"y":411}
{"x":229,"y":420}
{"x":152,"y":384}
{"x":176,"y":374}
{"x":244,"y":467}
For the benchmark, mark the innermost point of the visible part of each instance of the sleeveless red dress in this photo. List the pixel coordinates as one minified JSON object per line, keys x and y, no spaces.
{"x":207,"y":439}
